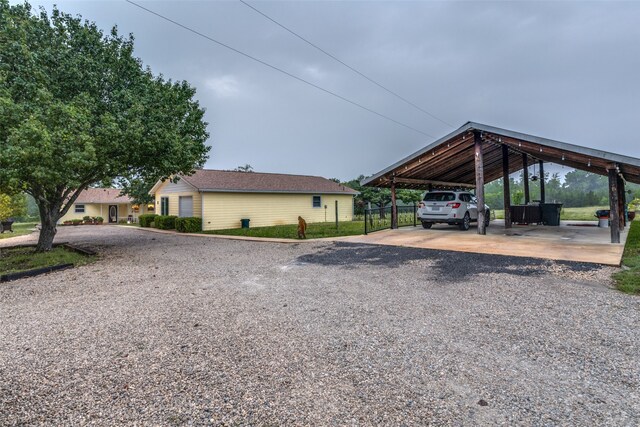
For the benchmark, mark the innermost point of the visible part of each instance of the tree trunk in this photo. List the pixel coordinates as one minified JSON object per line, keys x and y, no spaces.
{"x":53,"y":206}
{"x":48,"y":230}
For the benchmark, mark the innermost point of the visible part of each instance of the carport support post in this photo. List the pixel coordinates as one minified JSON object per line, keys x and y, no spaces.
{"x":525,"y":178}
{"x":394,"y":209}
{"x":614,"y":205}
{"x":505,"y":186}
{"x":542,"y":197}
{"x":621,"y":202}
{"x":479,"y":163}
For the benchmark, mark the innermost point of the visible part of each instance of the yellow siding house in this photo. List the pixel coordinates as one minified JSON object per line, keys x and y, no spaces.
{"x":223,"y":198}
{"x":106,"y":203}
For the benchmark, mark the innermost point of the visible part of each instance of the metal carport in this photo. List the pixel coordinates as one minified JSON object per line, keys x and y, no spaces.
{"x":475,"y":154}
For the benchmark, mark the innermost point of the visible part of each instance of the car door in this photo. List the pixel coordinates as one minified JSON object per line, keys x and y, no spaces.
{"x":472,"y":206}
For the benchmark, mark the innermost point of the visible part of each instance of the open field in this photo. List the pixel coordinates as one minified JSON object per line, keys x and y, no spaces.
{"x":169,"y":329}
{"x":569,"y":214}
{"x":290,"y":231}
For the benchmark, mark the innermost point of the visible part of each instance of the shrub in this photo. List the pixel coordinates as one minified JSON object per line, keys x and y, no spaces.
{"x":189,"y":224}
{"x":99,"y":219}
{"x":165,"y":222}
{"x":122,"y":221}
{"x":76,"y":221}
{"x":86,"y":218}
{"x":146,"y":220}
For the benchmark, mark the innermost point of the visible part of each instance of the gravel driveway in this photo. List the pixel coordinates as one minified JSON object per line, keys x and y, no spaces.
{"x":174,"y":330}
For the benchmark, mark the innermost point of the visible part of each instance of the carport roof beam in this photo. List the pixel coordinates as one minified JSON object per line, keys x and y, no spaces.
{"x":427,"y":182}
{"x":450,"y":159}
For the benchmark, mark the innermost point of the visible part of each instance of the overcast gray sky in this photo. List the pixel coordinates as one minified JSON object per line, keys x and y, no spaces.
{"x":563,"y":70}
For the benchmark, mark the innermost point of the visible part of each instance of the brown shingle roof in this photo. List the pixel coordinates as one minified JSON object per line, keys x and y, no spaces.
{"x":217,"y":180}
{"x":102,"y":195}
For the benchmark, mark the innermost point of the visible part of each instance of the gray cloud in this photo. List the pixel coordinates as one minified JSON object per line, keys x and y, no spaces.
{"x":563,"y":70}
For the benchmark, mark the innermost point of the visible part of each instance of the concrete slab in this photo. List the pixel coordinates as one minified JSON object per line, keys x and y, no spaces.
{"x":580,"y":241}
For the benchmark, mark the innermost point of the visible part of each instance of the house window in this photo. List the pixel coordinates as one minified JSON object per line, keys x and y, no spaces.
{"x":151,"y":207}
{"x":164,"y":206}
{"x":185,"y":206}
{"x":79,"y":208}
{"x":317,"y":202}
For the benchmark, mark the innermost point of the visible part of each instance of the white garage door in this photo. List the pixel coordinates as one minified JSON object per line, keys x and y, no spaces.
{"x":186,"y":206}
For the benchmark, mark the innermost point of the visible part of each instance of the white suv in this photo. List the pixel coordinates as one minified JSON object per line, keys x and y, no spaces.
{"x":450,"y":207}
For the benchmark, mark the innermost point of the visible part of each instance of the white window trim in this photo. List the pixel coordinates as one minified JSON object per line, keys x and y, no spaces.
{"x":312,"y":200}
{"x":76,"y":207}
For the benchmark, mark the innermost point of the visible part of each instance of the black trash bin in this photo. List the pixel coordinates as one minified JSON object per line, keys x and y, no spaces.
{"x":551,"y":213}
{"x":245,"y":222}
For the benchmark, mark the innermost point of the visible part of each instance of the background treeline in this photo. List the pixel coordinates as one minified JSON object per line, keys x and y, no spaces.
{"x":579,"y":189}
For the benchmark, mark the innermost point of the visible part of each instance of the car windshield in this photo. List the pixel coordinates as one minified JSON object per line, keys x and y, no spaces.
{"x":439,"y":197}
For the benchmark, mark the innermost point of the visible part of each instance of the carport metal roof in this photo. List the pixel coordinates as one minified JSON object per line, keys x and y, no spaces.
{"x":449,"y":161}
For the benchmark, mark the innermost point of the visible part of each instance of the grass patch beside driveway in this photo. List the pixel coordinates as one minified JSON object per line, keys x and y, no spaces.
{"x":14,"y":260}
{"x":628,"y":281}
{"x":19,"y":229}
{"x":290,"y":231}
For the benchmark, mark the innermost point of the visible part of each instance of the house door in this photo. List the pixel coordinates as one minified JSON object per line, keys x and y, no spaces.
{"x":186,"y":206}
{"x":113,"y":214}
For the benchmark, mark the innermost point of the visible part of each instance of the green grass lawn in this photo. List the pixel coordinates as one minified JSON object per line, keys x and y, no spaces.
{"x":290,"y":231}
{"x":628,"y":281}
{"x":19,"y":229}
{"x":13,"y":260}
{"x":569,"y":214}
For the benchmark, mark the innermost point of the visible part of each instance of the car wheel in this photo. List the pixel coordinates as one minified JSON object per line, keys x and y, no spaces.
{"x":426,"y":224}
{"x":487,"y":218}
{"x":466,"y":222}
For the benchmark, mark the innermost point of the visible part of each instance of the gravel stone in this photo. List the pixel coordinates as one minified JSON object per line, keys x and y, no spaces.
{"x":182,"y":330}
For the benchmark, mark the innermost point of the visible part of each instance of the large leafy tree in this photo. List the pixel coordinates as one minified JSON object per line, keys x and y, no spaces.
{"x":77,"y":108}
{"x":379,"y":196}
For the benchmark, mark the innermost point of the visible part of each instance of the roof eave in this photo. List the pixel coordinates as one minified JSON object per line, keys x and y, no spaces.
{"x":617,"y":158}
{"x":227,"y":190}
{"x":464,"y":128}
